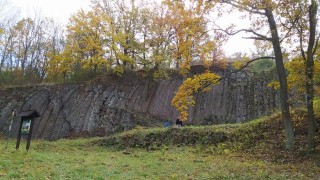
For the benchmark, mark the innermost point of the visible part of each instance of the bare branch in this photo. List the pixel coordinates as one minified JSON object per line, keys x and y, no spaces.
{"x":245,"y":8}
{"x":316,"y":45}
{"x":246,"y":65}
{"x":301,"y":46}
{"x":259,"y":36}
{"x":289,"y":29}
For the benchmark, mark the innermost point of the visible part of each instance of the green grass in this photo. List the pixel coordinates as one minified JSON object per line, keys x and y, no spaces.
{"x":247,"y":151}
{"x":75,"y":159}
{"x":244,"y":134}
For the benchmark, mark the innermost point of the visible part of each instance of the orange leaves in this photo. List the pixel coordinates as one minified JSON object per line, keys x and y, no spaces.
{"x":184,"y":97}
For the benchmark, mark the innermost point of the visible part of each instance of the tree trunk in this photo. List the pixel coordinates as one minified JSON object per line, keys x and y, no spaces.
{"x":288,"y":125}
{"x":309,"y":66}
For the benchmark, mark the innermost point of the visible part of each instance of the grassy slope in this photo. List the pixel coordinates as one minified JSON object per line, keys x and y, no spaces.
{"x":247,"y":151}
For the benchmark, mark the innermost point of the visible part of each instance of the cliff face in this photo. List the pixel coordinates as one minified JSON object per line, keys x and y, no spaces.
{"x":122,"y":104}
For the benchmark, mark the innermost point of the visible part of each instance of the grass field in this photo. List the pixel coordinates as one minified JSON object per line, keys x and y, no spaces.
{"x":74,"y":159}
{"x":85,"y":159}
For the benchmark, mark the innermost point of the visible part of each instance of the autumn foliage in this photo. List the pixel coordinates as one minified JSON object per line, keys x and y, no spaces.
{"x":184,"y":97}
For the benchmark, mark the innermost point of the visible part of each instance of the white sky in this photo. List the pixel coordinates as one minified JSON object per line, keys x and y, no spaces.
{"x":61,"y":10}
{"x":236,"y":43}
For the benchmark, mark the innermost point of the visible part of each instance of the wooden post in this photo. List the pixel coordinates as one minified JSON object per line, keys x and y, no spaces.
{"x":19,"y":135}
{"x":29,"y":135}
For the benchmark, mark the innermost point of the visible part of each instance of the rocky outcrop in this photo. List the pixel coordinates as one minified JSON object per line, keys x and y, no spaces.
{"x":123,"y":103}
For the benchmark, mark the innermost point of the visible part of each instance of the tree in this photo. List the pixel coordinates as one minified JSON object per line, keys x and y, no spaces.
{"x":84,"y":44}
{"x":7,"y":20}
{"x":7,"y":11}
{"x":184,"y":97}
{"x":132,"y":35}
{"x":302,"y":17}
{"x":6,"y":43}
{"x":267,"y":10}
{"x":190,"y":39}
{"x":300,"y":23}
{"x":309,"y":69}
{"x":23,"y":48}
{"x":119,"y":23}
{"x":55,"y":70}
{"x":30,"y":38}
{"x":156,"y":39}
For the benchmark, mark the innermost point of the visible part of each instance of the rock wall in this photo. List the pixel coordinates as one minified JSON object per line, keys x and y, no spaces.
{"x":121,"y":104}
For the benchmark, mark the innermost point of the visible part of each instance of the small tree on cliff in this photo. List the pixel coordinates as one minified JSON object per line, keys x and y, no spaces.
{"x":185,"y":95}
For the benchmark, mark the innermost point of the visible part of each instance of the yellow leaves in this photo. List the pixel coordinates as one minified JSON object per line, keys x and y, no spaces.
{"x":296,"y":75}
{"x":240,"y":63}
{"x":237,"y":64}
{"x":316,"y":106}
{"x":184,"y":97}
{"x":124,"y":57}
{"x":159,"y":74}
{"x":118,"y":70}
{"x":187,"y":20}
{"x":274,"y":84}
{"x":58,"y":67}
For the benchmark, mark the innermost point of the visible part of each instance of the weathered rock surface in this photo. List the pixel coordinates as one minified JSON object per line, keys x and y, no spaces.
{"x":121,"y":104}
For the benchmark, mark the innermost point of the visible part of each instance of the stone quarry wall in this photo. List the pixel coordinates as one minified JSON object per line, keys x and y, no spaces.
{"x":105,"y":108}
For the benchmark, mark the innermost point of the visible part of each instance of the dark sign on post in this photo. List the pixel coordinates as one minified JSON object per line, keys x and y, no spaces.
{"x":26,"y":125}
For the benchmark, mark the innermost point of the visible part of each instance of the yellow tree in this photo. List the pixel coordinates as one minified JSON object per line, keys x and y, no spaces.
{"x":296,"y":75}
{"x":84,"y":42}
{"x":190,"y":39}
{"x":120,"y":20}
{"x":192,"y":43}
{"x":155,"y":42}
{"x":184,"y":97}
{"x":300,"y":21}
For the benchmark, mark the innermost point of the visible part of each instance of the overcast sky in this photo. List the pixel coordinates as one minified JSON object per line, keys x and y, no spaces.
{"x":61,"y":10}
